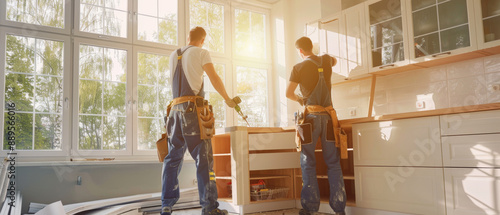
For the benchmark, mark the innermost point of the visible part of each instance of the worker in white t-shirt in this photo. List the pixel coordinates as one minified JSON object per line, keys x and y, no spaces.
{"x":184,"y":124}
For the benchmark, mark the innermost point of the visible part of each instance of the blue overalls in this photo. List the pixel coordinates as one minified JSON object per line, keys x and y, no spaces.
{"x":310,"y":198}
{"x":184,"y":132}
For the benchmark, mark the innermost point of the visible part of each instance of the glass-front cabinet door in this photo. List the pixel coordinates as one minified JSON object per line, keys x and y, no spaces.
{"x":333,"y":42}
{"x":387,"y":34}
{"x":488,"y":23}
{"x":440,"y":28}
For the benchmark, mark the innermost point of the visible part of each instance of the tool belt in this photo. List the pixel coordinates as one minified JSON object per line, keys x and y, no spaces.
{"x":205,"y":114}
{"x":303,"y":128}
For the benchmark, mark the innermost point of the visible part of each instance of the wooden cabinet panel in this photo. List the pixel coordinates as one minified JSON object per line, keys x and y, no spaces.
{"x":414,"y":190}
{"x":272,"y":141}
{"x":472,"y":191}
{"x":284,"y":160}
{"x":472,"y":151}
{"x":406,"y":142}
{"x":471,"y":123}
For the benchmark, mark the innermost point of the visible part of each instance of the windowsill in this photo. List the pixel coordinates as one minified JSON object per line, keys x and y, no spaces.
{"x":35,"y":162}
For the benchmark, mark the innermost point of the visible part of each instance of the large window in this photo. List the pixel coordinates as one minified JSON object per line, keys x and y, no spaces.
{"x":153,"y":93}
{"x":210,"y":16}
{"x":34,"y":83}
{"x":157,"y":21}
{"x":92,"y":77}
{"x":101,"y":98}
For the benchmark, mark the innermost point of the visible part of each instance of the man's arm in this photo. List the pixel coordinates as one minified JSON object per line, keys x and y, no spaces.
{"x":290,"y":93}
{"x":215,"y":80}
{"x":334,"y":61}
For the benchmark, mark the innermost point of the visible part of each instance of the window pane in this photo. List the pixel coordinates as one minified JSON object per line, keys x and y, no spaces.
{"x":210,"y":16}
{"x":38,"y":12}
{"x":154,"y":93}
{"x":250,"y":34}
{"x":107,"y":17}
{"x":33,"y":81}
{"x":215,"y":98}
{"x":157,"y":21}
{"x":252,"y":88}
{"x":102,"y":93}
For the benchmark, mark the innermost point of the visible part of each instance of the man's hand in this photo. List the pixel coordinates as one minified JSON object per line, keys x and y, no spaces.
{"x":301,"y":100}
{"x":230,"y":103}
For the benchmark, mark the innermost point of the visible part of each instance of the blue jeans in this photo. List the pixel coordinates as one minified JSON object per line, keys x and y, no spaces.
{"x":310,"y":198}
{"x":184,"y":132}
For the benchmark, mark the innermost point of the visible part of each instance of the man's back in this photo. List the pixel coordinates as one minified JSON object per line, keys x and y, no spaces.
{"x":193,"y":60}
{"x":306,"y":75}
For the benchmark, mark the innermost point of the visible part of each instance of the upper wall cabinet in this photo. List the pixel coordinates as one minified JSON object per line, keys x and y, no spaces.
{"x":440,"y":28}
{"x":388,"y":35}
{"x":343,"y":36}
{"x":487,"y":22}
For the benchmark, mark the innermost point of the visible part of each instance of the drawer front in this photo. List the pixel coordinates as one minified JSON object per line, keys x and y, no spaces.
{"x":471,"y":123}
{"x":406,"y":142}
{"x":472,"y":150}
{"x":472,"y":191}
{"x":413,"y":190}
{"x":284,"y":160}
{"x":271,"y":141}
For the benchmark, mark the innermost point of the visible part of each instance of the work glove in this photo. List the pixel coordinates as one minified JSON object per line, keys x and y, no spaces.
{"x":230,"y":103}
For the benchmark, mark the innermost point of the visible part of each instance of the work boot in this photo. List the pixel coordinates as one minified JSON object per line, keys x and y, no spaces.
{"x":304,"y":212}
{"x":216,"y":211}
{"x":166,"y":211}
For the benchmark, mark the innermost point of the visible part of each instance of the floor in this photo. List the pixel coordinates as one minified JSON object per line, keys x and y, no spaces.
{"x":349,"y":211}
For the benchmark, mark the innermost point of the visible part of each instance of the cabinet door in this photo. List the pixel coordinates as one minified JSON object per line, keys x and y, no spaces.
{"x":414,"y":190}
{"x":487,"y":15}
{"x":333,"y":39}
{"x":472,"y":150}
{"x":472,"y":191}
{"x":405,"y":142}
{"x":388,"y":34}
{"x":440,"y":28}
{"x":482,"y":122}
{"x":356,"y":41}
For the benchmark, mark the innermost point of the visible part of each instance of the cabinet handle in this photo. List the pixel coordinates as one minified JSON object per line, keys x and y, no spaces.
{"x":444,"y":53}
{"x":389,"y":65}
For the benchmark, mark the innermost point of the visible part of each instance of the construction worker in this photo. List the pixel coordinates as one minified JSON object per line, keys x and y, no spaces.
{"x":313,"y":76}
{"x":183,"y":127}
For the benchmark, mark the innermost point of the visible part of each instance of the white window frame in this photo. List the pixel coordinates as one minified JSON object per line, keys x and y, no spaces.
{"x":77,"y":32}
{"x":136,"y":51}
{"x":227,"y":27}
{"x":181,"y":28}
{"x":129,"y":102}
{"x":228,"y":84}
{"x":66,"y":134}
{"x":32,"y":27}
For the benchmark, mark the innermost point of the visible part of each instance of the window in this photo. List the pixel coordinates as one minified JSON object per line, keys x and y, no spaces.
{"x":153,"y":93}
{"x":252,"y":89}
{"x":157,"y":21}
{"x":210,"y":16}
{"x":250,"y":34}
{"x":34,"y":82}
{"x":101,"y":98}
{"x":109,"y":17}
{"x":216,"y":100}
{"x":38,"y":12}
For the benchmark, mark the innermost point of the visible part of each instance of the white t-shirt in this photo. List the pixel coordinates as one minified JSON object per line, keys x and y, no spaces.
{"x":193,"y":61}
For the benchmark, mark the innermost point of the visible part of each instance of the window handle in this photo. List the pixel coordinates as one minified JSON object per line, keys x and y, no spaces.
{"x":66,"y":102}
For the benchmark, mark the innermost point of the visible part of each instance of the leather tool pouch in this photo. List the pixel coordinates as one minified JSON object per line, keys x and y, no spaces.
{"x":303,"y":132}
{"x":339,"y":133}
{"x":162,"y":143}
{"x":206,"y":119}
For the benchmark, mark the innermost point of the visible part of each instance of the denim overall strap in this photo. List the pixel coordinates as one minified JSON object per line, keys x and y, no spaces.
{"x":180,"y":84}
{"x":321,"y":94}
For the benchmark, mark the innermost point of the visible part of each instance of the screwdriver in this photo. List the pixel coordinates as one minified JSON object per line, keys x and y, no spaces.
{"x":237,"y":100}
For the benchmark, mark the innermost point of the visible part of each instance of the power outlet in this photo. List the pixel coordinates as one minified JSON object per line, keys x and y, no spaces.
{"x":352,"y":112}
{"x":494,"y":87}
{"x":420,"y":104}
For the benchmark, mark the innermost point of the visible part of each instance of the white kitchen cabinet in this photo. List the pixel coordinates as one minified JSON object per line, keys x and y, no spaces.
{"x":471,"y":150}
{"x":414,"y":190}
{"x":487,"y":15}
{"x":472,"y":191}
{"x":483,"y":122}
{"x":405,"y":142}
{"x":343,"y":35}
{"x":439,"y":29}
{"x":386,"y":22}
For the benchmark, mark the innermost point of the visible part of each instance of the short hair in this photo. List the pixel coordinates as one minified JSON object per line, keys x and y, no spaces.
{"x":304,"y":43}
{"x":197,"y":33}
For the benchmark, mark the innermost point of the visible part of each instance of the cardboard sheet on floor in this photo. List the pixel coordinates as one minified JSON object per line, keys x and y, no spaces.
{"x":55,"y":208}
